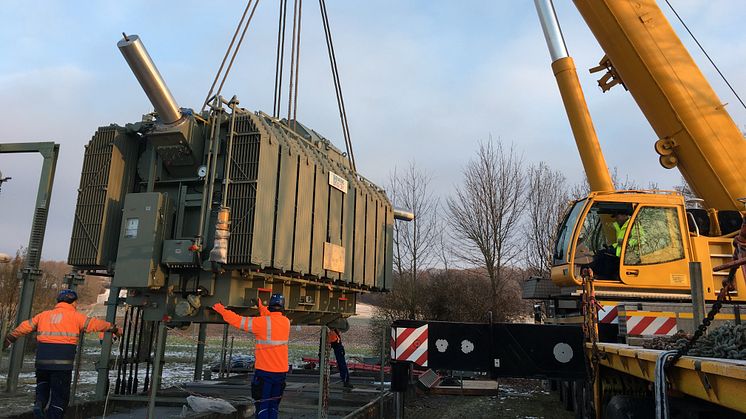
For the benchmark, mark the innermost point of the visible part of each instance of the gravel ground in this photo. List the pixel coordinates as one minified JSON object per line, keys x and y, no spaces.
{"x":516,"y":398}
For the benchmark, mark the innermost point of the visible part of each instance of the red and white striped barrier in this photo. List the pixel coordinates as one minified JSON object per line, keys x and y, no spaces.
{"x":650,"y":325}
{"x":409,"y":344}
{"x":608,"y":314}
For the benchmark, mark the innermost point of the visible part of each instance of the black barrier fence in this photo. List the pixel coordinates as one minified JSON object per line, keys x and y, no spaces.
{"x":500,"y":349}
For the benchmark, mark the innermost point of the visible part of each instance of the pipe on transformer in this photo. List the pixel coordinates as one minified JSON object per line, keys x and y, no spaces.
{"x":573,"y":99}
{"x":403,"y":215}
{"x":150,"y":79}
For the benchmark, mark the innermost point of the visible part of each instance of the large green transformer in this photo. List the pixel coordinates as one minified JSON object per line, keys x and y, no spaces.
{"x":184,"y":209}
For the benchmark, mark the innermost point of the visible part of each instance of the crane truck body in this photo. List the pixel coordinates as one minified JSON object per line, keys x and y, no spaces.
{"x":658,"y":268}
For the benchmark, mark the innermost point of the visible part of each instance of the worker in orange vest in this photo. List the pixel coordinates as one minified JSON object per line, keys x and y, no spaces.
{"x":272,"y":330}
{"x":57,"y":332}
{"x":335,"y":340}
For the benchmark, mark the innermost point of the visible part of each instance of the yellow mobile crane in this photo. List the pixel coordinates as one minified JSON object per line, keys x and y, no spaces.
{"x":696,"y":135}
{"x":647,"y":247}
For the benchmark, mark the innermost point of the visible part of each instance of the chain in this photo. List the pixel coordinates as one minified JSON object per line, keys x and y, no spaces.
{"x":716,"y":306}
{"x":590,"y":321}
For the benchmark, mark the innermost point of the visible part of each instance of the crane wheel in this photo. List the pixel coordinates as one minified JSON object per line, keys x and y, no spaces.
{"x":629,"y":407}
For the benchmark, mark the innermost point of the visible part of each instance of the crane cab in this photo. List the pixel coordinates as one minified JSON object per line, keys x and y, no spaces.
{"x":638,"y":244}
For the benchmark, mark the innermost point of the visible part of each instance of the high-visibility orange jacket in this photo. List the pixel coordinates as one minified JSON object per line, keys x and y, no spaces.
{"x":271,"y":329}
{"x":334,"y":337}
{"x":57,"y":331}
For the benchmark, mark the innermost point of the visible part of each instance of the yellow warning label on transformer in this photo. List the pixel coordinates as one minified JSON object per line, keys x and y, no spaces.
{"x":678,"y":279}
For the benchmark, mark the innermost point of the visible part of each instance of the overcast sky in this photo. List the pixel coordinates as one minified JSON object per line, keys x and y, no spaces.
{"x":423,"y":80}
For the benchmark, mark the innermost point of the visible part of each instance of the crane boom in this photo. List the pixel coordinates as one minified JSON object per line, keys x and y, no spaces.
{"x":696,"y":133}
{"x":581,"y":124}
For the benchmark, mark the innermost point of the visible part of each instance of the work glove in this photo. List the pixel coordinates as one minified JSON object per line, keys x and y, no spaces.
{"x":219,"y":307}
{"x":8,"y":341}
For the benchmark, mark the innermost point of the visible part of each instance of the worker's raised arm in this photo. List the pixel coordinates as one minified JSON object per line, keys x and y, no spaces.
{"x":92,"y":324}
{"x":263,"y":311}
{"x":233,"y":319}
{"x":26,"y":327}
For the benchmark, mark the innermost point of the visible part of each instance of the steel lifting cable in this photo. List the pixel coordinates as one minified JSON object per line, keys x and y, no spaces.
{"x":337,"y":83}
{"x":294,"y":62}
{"x":279,"y":62}
{"x":297,"y":66}
{"x":706,"y":54}
{"x":238,"y":46}
{"x":235,"y":52}
{"x":225,"y":57}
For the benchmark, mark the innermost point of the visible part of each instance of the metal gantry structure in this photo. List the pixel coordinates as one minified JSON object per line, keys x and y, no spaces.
{"x":30,"y":273}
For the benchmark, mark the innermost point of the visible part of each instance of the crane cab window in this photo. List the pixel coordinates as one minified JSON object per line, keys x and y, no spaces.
{"x":654,"y":237}
{"x":564,"y":234}
{"x":598,"y":245}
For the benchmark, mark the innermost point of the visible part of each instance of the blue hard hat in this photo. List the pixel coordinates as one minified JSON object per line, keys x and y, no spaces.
{"x":67,"y":296}
{"x":277,"y":302}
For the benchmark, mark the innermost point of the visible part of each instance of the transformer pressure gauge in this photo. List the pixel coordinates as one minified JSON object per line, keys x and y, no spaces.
{"x":202,"y":171}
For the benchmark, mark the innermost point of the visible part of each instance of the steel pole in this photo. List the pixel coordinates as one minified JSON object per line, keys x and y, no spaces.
{"x":322,"y":410}
{"x":698,"y":293}
{"x":76,"y":370}
{"x":199,"y":362}
{"x":3,"y":333}
{"x":160,"y":348}
{"x":384,"y":333}
{"x":31,"y":272}
{"x":223,"y":350}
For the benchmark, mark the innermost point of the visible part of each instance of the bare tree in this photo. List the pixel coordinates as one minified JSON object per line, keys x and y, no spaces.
{"x":10,"y":285}
{"x":416,"y":241}
{"x":546,"y":203}
{"x":580,"y":190}
{"x":692,"y":200}
{"x":583,"y":188}
{"x":486,"y":211}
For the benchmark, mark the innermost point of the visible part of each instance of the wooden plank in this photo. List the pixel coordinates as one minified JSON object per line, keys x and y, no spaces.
{"x":468,"y":388}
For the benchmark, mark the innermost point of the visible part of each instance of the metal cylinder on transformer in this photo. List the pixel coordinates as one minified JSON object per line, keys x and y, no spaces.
{"x":150,"y":79}
{"x":403,"y":215}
